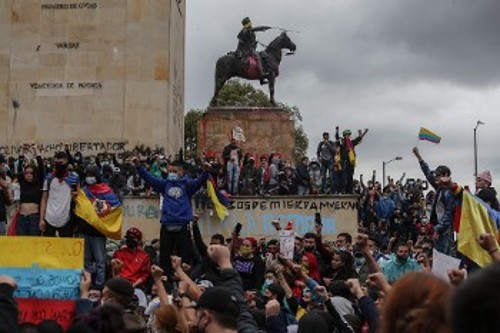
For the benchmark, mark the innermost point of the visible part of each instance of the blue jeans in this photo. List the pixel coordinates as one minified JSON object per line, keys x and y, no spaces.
{"x":95,"y":252}
{"x":233,"y":176}
{"x":327,"y":167}
{"x":445,"y":242}
{"x":28,"y":225}
{"x":303,"y":190}
{"x":3,"y":228}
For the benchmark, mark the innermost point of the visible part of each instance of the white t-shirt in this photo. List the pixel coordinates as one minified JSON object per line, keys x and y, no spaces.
{"x":233,"y":156}
{"x":58,"y":209}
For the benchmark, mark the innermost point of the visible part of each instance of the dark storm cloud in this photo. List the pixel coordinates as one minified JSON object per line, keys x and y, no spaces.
{"x":391,"y":66}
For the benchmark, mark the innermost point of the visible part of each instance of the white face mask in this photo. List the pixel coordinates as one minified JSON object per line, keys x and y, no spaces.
{"x":268,"y":281}
{"x":90,"y":180}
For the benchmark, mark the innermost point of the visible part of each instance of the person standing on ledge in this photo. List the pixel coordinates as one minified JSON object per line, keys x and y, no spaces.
{"x":176,"y":211}
{"x":348,"y":155}
{"x":443,"y":207}
{"x":232,"y":156}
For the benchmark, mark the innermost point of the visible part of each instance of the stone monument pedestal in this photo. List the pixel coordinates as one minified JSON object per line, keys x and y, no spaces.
{"x":266,"y":130}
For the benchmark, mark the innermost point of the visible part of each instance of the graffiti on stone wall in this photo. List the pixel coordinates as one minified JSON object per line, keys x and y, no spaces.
{"x":141,"y":209}
{"x":256,"y":215}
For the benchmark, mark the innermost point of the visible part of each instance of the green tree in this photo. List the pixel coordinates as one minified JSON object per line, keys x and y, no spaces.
{"x":236,"y":93}
{"x":191,"y":131}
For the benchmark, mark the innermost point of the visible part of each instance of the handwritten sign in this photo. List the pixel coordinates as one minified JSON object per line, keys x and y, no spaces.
{"x":47,"y":271}
{"x":32,"y":310}
{"x":45,"y":283}
{"x":287,"y":242}
{"x":46,"y":252}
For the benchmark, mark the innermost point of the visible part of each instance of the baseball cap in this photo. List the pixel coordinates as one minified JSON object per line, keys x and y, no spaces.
{"x":134,"y":232}
{"x":219,"y":299}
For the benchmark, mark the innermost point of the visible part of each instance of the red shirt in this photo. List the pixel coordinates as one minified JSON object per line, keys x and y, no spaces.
{"x":136,"y":264}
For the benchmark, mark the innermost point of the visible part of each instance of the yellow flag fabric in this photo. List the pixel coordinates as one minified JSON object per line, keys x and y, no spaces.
{"x":474,"y":221}
{"x":220,"y":209}
{"x":352,"y":157}
{"x":109,"y":225}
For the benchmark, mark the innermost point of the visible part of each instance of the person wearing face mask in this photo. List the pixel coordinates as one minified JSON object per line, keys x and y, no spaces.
{"x":102,"y":198}
{"x":276,"y":292}
{"x":59,"y":188}
{"x":249,"y":265}
{"x":117,"y":292}
{"x":176,"y":210}
{"x":400,"y":263}
{"x":274,"y":169}
{"x":132,"y":262}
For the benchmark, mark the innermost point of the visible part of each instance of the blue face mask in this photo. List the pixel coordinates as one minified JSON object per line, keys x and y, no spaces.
{"x":172,"y":176}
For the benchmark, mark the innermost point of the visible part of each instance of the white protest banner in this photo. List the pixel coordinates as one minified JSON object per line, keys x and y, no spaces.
{"x":442,"y":263}
{"x":238,"y":134}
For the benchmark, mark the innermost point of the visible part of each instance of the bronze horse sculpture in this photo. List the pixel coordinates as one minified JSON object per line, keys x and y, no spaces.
{"x":230,"y":65}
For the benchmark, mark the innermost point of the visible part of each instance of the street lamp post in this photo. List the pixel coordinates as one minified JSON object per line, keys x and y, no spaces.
{"x":479,"y":122}
{"x":384,"y":163}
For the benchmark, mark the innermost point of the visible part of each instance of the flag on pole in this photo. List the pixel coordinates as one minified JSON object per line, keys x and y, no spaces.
{"x":427,"y":135}
{"x":219,"y":200}
{"x":476,"y":218}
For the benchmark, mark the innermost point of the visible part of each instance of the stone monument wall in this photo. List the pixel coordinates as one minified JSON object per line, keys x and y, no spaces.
{"x":338,"y":214}
{"x":100,"y":75}
{"x":265,"y":130}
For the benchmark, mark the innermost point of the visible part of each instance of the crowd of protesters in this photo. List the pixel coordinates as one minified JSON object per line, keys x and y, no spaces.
{"x":376,"y":281}
{"x":331,"y":171}
{"x":246,"y":286}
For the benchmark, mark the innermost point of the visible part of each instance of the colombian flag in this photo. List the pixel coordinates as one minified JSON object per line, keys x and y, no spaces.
{"x":99,"y":206}
{"x":476,"y":218}
{"x":47,"y":271}
{"x":219,"y":200}
{"x":427,"y":135}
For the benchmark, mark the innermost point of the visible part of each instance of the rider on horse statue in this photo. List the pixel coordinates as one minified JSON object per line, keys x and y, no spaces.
{"x":247,"y":45}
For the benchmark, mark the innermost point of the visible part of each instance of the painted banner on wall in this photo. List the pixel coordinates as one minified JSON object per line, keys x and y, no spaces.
{"x":338,"y":213}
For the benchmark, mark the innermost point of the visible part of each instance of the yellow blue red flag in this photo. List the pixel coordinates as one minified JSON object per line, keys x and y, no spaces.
{"x":219,"y":200}
{"x":476,"y":218}
{"x":99,"y":206}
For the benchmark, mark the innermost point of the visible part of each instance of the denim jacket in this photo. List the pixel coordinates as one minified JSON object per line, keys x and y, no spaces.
{"x":442,"y":218}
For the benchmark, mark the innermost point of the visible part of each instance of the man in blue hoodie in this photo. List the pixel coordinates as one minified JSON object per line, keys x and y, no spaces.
{"x":176,"y":210}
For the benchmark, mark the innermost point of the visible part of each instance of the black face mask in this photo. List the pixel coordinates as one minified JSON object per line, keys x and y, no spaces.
{"x":402,"y":259}
{"x":303,"y":304}
{"x":309,"y":248}
{"x":131,"y":243}
{"x":61,"y":169}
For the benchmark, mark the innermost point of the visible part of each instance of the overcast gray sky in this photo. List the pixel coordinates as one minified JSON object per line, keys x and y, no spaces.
{"x":391,"y":66}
